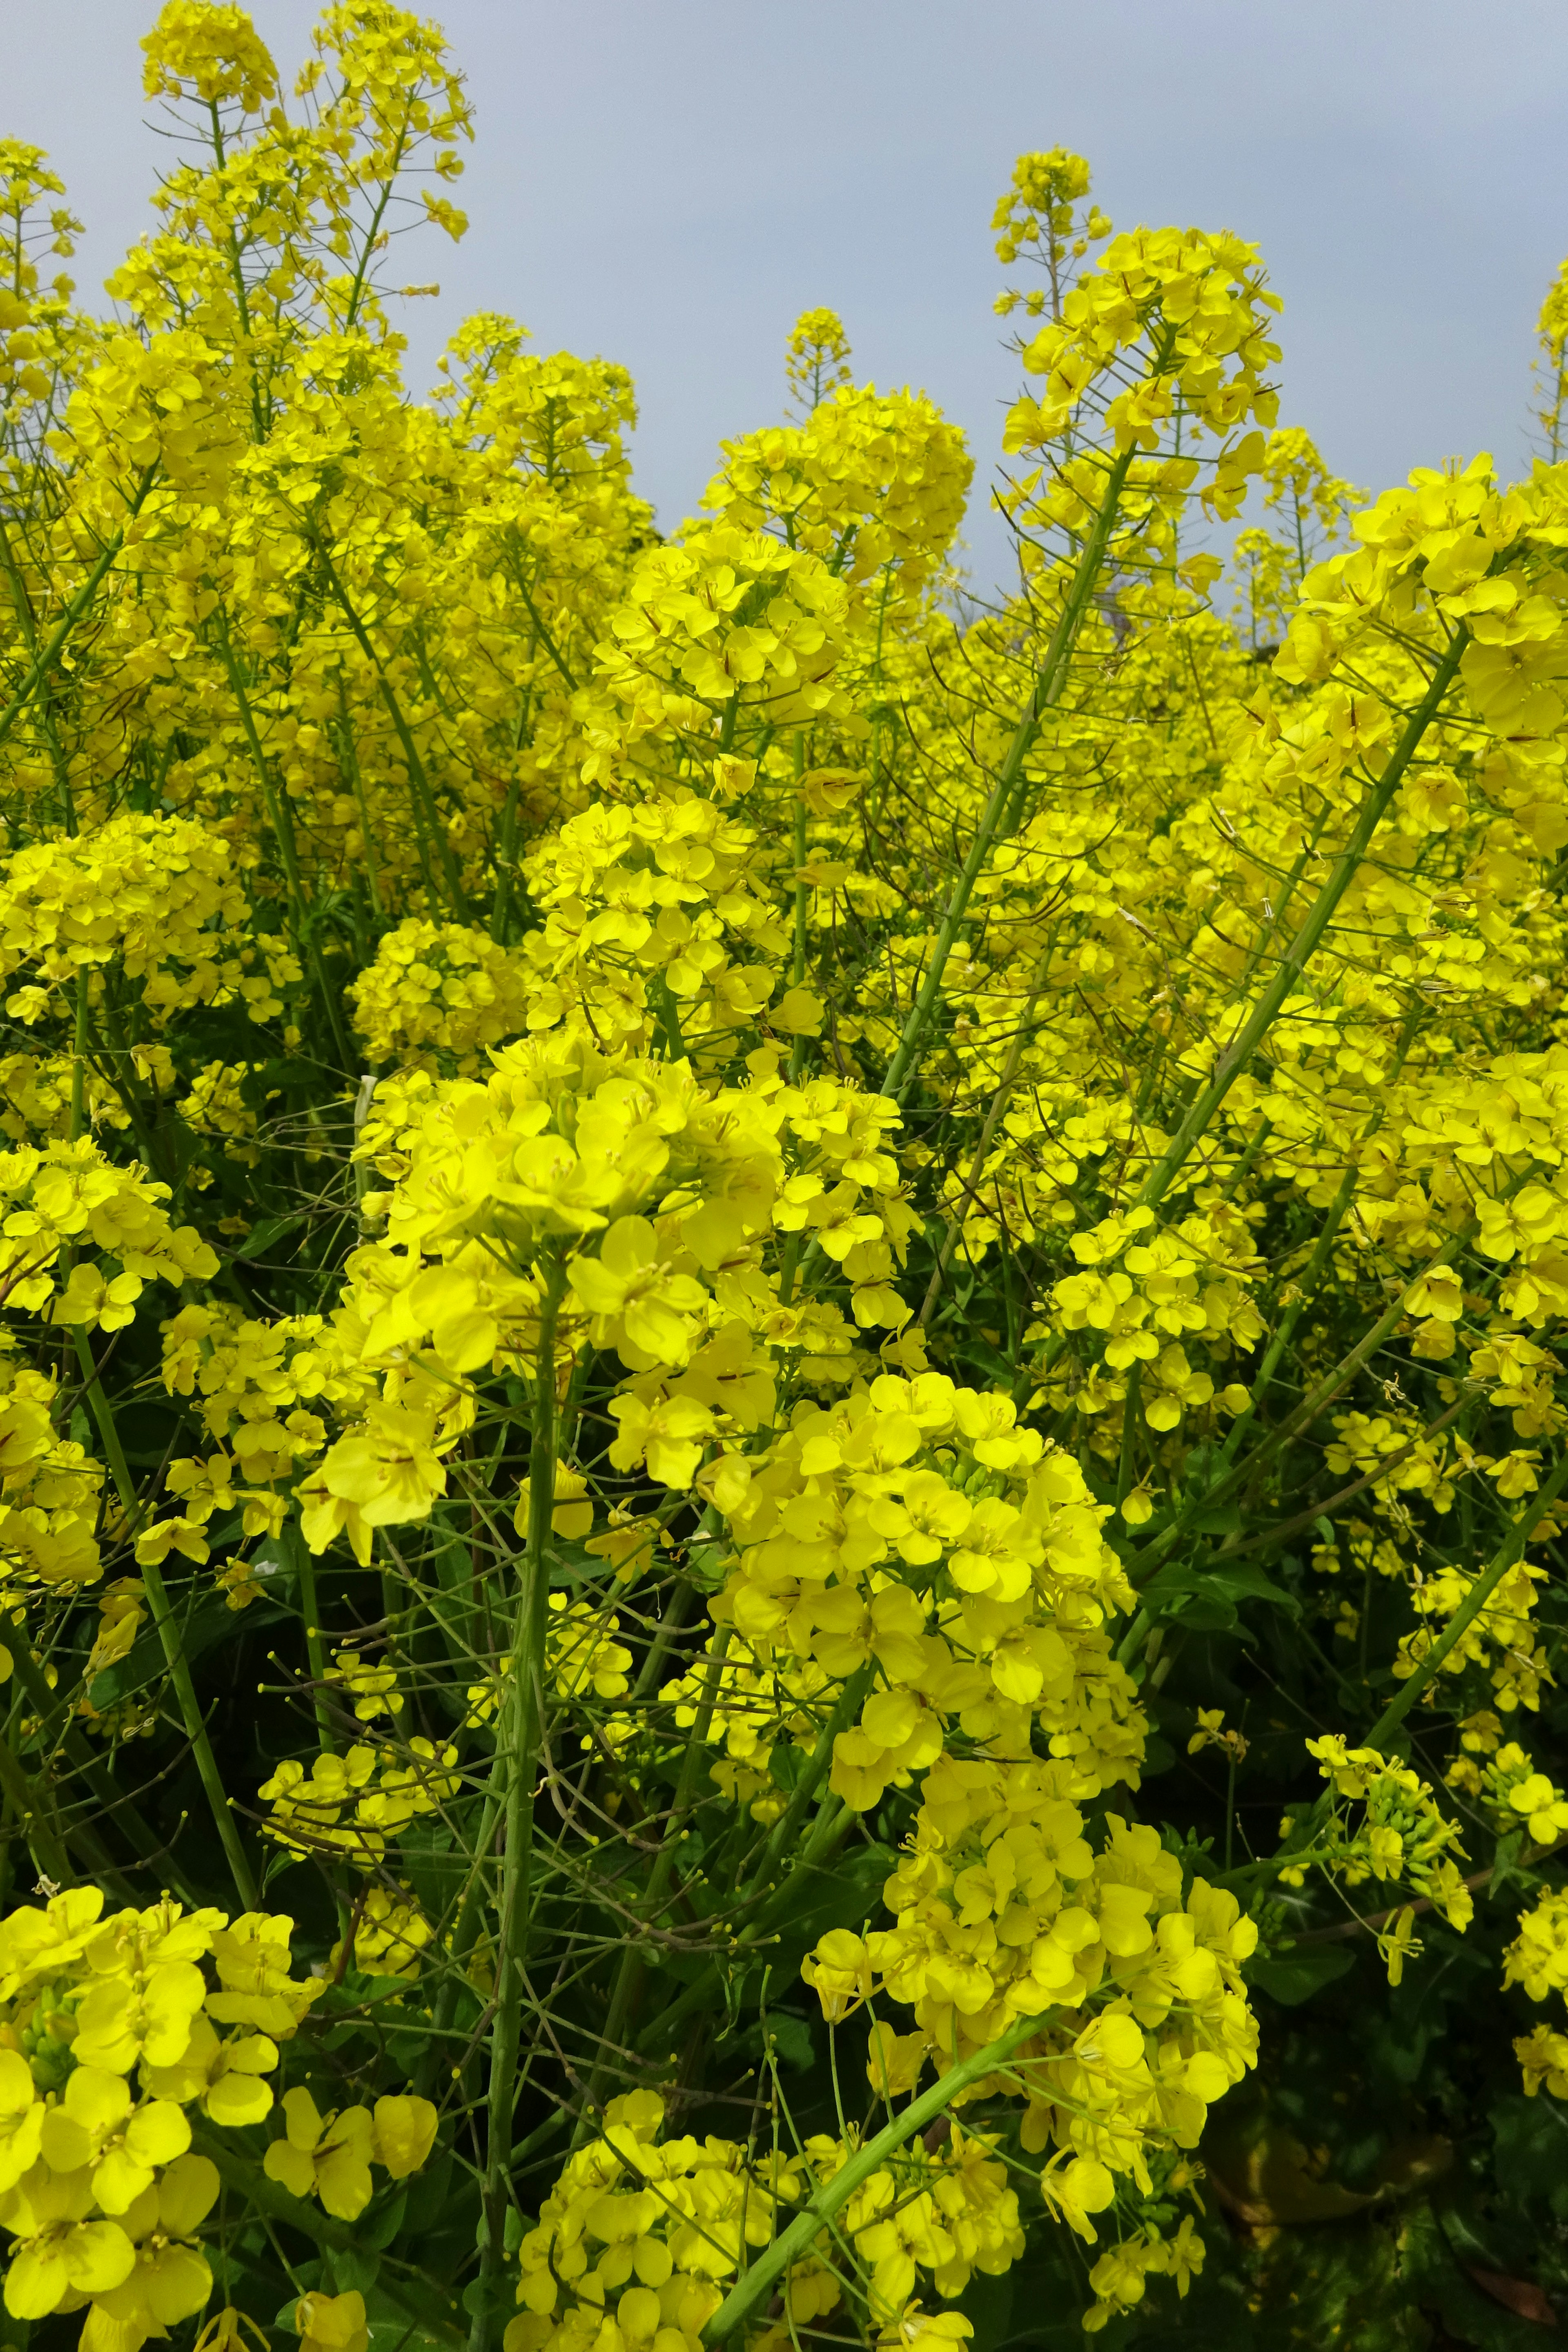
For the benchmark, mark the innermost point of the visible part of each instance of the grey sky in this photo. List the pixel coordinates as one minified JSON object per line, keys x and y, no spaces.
{"x":670,"y":182}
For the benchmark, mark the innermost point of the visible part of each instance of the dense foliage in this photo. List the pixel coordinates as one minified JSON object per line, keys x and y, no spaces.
{"x":778,"y":1416}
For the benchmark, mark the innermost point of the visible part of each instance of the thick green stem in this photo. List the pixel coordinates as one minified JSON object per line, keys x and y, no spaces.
{"x":1049,"y":681}
{"x":1475,"y":1601}
{"x":278,"y":813}
{"x":628,"y":1985}
{"x":168,"y":1631}
{"x":819,"y":1764}
{"x":1305,"y":1285}
{"x":798,"y":961}
{"x":465,"y":1935}
{"x":518,"y":1736}
{"x":281,"y":816}
{"x":315,"y":1649}
{"x":1303,"y":1415}
{"x":50,"y":1711}
{"x":79,"y":1061}
{"x":418,"y":781}
{"x":45,"y":660}
{"x":977,"y":1165}
{"x":756,"y":2284}
{"x":1303,"y":947}
{"x":44,"y":1839}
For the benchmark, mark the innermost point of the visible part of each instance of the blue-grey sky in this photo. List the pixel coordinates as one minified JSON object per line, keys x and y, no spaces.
{"x":670,"y":182}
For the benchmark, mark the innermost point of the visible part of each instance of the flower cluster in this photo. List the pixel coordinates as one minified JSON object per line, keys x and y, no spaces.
{"x":114,"y":2063}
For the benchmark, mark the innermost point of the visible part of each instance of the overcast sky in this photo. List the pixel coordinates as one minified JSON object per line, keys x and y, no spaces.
{"x":670,"y":182}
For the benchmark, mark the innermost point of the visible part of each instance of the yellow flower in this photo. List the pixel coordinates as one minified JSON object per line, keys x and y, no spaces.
{"x":632,"y":1294}
{"x":251,"y":1954}
{"x":331,"y":2322}
{"x":405,"y":2134}
{"x":667,"y":1433}
{"x":119,"y":2022}
{"x":170,"y":2281}
{"x":327,"y":2157}
{"x":382,"y":1474}
{"x":224,"y":2075}
{"x":21,"y":2118}
{"x":59,"y":2251}
{"x":94,"y":2126}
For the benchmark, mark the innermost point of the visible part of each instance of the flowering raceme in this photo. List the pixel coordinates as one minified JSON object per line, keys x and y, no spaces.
{"x":746,"y":1303}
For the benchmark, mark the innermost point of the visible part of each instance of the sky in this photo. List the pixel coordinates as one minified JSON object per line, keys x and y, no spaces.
{"x":670,"y":182}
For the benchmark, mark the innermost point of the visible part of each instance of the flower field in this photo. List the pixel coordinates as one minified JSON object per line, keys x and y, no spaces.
{"x":779,"y":1436}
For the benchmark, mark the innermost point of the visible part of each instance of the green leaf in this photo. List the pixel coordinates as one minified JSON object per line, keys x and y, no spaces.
{"x":355,"y":2270}
{"x":208,"y":1626}
{"x":272,"y":1229}
{"x":791,"y":2040}
{"x":1207,"y":1599}
{"x":1294,"y":1976}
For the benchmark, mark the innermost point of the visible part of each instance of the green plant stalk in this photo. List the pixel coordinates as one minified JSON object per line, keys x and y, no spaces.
{"x":1475,"y":1601}
{"x":465,"y":1935}
{"x":998,"y":1105}
{"x":826,"y":1834}
{"x":1130,"y":1424}
{"x":45,"y":1843}
{"x":1303,"y":1415}
{"x":168,"y":1631}
{"x":348,"y":757}
{"x":1243,"y":1168}
{"x":1050,"y":680}
{"x":798,"y":961}
{"x":23,"y":612}
{"x":419,"y":783}
{"x":1303,"y":947}
{"x":79,"y":1061}
{"x":1265,"y":939}
{"x":315,"y":1649}
{"x":503,"y":861}
{"x":514,"y":571}
{"x":819,"y":1764}
{"x":681,"y":1602}
{"x":45,"y":661}
{"x":628,"y":1985}
{"x":281,"y":816}
{"x":756,"y":2284}
{"x":503,"y":858}
{"x":1304,"y":1285}
{"x":517,"y":1750}
{"x":51,"y":1711}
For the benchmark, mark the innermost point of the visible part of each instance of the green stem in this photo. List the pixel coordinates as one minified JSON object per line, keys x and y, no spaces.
{"x":44,"y":1841}
{"x":1475,"y":1601}
{"x":79,"y":1063}
{"x":627,"y":1986}
{"x":798,"y":961}
{"x":977,"y":1163}
{"x":756,"y":2284}
{"x":518,"y":1737}
{"x":1049,"y":683}
{"x":45,"y":661}
{"x":1305,"y":1285}
{"x":1303,"y":1415}
{"x":51,"y":1714}
{"x":315,"y":1648}
{"x":819,"y":1764}
{"x":419,"y":783}
{"x":465,"y":1935}
{"x":1131,"y":1423}
{"x":168,"y":1631}
{"x":1303,"y":947}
